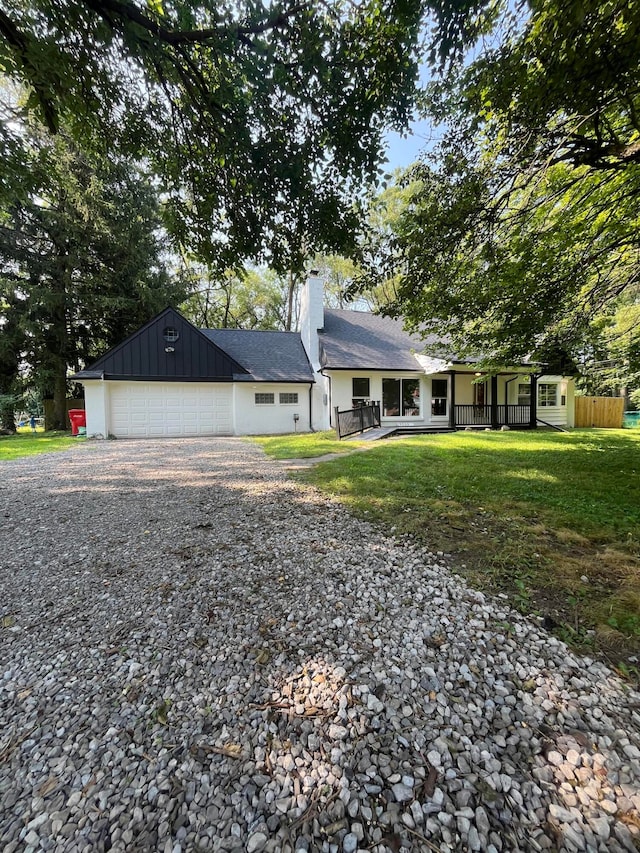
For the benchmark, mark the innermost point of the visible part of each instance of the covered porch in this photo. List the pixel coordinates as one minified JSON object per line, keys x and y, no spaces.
{"x":489,"y":403}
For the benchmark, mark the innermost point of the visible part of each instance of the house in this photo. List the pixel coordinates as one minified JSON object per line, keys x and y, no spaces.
{"x":172,"y":379}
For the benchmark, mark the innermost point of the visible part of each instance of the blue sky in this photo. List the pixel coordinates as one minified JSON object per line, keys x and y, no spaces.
{"x":402,"y":151}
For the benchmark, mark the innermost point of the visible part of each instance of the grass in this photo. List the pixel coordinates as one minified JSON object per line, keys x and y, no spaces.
{"x":551,"y":519}
{"x":25,"y":443}
{"x":305,"y":445}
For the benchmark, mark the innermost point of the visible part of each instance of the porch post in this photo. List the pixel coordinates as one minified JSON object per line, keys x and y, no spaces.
{"x":494,"y":402}
{"x":452,"y":400}
{"x":506,"y":402}
{"x":533,"y":403}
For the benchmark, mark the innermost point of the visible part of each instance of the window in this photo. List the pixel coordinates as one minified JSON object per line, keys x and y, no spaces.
{"x":288,"y":399}
{"x":360,"y":391}
{"x":360,"y":388}
{"x":439,"y":394}
{"x":401,"y":398}
{"x":170,"y":334}
{"x":524,"y":394}
{"x":547,"y":395}
{"x":265,"y":399}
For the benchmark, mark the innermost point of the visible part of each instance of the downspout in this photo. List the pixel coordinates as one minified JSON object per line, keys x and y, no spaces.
{"x":322,"y":373}
{"x":311,"y":384}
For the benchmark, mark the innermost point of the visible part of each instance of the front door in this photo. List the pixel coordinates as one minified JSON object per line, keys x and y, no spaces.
{"x":479,"y":393}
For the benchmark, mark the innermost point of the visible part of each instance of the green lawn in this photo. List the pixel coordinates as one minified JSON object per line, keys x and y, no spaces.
{"x":305,"y":445}
{"x":530,"y":514}
{"x":27,"y":444}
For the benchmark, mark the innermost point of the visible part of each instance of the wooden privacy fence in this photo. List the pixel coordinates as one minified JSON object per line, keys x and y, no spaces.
{"x":604,"y":412}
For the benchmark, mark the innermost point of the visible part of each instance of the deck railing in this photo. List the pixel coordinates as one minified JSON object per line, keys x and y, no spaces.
{"x":351,"y":421}
{"x":470,"y":415}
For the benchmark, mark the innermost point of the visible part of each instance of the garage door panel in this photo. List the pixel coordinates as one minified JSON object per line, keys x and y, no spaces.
{"x":148,"y":410}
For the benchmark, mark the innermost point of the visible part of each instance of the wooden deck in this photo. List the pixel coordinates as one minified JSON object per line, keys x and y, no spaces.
{"x":377,"y":433}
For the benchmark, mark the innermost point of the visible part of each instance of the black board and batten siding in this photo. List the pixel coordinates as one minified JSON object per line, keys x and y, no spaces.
{"x":148,"y":355}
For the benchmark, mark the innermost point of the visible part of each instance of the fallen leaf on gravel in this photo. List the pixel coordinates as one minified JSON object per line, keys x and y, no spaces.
{"x":488,"y":794}
{"x":393,"y":841}
{"x":8,"y":621}
{"x":48,"y":786}
{"x":262,"y":656}
{"x":230,"y":750}
{"x":160,"y":713}
{"x":430,"y":782}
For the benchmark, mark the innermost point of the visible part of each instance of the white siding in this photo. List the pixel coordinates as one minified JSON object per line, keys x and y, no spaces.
{"x":270,"y":418}
{"x":557,"y":415}
{"x":342,"y":396}
{"x":96,"y":408}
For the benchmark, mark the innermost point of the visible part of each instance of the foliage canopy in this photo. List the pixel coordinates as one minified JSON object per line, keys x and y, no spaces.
{"x":525,"y":227}
{"x":261,"y":118}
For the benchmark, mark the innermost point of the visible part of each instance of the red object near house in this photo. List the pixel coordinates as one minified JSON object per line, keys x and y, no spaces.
{"x":78,"y":418}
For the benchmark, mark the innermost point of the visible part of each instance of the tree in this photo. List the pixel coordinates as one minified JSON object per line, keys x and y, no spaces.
{"x":526,"y":227}
{"x":81,"y":264}
{"x":250,"y":299}
{"x":262,"y":119}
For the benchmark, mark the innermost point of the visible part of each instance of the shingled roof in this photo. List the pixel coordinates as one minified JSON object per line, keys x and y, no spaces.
{"x":358,"y":340}
{"x":268,"y":356}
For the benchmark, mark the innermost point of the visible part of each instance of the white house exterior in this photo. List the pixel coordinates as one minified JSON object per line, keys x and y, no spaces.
{"x":358,"y":356}
{"x":170,"y":379}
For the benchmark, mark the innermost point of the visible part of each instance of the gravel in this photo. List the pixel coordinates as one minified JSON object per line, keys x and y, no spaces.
{"x":198,"y":654}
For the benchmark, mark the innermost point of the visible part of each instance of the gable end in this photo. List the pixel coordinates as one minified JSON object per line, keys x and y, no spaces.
{"x":169,"y":348}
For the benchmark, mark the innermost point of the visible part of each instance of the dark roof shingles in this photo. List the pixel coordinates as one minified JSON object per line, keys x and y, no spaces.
{"x":358,"y":340}
{"x":268,"y":356}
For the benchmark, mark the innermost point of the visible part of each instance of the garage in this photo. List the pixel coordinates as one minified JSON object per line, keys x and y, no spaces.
{"x":156,"y":409}
{"x":170,"y":379}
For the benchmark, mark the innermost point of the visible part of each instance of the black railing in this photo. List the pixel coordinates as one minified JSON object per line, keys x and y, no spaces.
{"x":472,"y":415}
{"x":351,"y":421}
{"x":469,"y":415}
{"x":515,"y":415}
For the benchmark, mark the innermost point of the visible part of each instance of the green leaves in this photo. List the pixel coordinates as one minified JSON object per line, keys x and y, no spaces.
{"x":255,"y":115}
{"x":82,"y":261}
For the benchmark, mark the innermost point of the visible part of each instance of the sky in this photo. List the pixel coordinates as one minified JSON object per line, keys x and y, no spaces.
{"x":402,"y":151}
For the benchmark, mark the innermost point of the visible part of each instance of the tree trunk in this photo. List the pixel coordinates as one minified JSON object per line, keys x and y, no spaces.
{"x":7,"y":414}
{"x":290,"y":293}
{"x":60,"y":398}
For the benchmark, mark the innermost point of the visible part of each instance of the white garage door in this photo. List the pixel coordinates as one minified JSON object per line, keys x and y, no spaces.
{"x":154,"y":409}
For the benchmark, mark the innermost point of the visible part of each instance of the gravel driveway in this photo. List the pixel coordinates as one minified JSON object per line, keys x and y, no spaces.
{"x":197,"y":654}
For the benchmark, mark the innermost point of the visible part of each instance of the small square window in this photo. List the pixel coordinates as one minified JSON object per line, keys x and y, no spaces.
{"x":288,"y":399}
{"x":360,"y":387}
{"x":265,"y":399}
